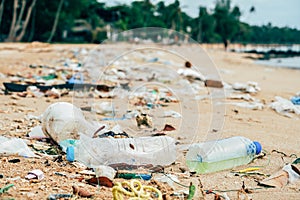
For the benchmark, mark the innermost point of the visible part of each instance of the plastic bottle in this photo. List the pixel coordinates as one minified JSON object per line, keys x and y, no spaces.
{"x":222,"y":154}
{"x":135,"y":151}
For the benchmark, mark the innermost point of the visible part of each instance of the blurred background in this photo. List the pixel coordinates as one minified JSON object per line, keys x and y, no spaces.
{"x":92,"y":21}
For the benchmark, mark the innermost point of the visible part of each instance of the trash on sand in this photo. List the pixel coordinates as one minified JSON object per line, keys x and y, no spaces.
{"x":249,"y":87}
{"x":37,"y":133}
{"x":34,"y":91}
{"x":231,"y":152}
{"x":131,"y":114}
{"x":66,"y":143}
{"x":213,"y":83}
{"x":81,"y":192}
{"x":55,"y":93}
{"x":295,"y":100}
{"x":77,"y":78}
{"x":101,"y":180}
{"x":103,"y":108}
{"x":35,"y":174}
{"x":18,"y":146}
{"x":288,"y":174}
{"x":105,"y":171}
{"x":94,"y":152}
{"x":250,"y":105}
{"x":6,"y":188}
{"x":192,"y":190}
{"x":64,"y":121}
{"x":167,"y":178}
{"x":171,"y":113}
{"x":133,"y":175}
{"x":188,"y":72}
{"x":59,"y":196}
{"x":135,"y":189}
{"x":285,"y":107}
{"x":124,"y":166}
{"x":249,"y":169}
{"x":144,"y":120}
{"x":15,"y":160}
{"x":169,"y":127}
{"x":246,"y":97}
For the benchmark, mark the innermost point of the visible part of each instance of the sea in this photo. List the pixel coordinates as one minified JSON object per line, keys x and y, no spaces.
{"x":287,"y":62}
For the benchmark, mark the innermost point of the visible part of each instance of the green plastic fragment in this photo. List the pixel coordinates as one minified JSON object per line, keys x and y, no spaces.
{"x":192,"y":190}
{"x":6,"y":188}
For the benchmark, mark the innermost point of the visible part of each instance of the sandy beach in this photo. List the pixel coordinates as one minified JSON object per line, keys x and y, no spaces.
{"x":272,"y":130}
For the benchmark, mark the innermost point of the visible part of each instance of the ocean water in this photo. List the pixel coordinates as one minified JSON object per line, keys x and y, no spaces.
{"x":290,"y":62}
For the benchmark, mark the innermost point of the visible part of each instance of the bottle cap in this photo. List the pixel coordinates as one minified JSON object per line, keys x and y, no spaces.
{"x":258,"y":147}
{"x":70,"y":153}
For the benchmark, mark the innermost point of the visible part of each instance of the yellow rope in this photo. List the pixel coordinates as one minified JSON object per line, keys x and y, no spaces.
{"x":136,"y":191}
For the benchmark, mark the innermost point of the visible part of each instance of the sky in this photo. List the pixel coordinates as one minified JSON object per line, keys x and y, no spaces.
{"x":279,"y":12}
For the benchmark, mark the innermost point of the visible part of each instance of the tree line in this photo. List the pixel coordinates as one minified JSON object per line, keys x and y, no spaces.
{"x":90,"y":20}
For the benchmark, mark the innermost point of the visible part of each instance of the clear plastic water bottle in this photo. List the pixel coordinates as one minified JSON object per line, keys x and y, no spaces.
{"x":135,"y":151}
{"x":222,"y":154}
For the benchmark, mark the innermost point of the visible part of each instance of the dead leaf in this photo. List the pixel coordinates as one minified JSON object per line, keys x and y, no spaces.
{"x":81,"y":192}
{"x":169,"y":127}
{"x":103,"y":181}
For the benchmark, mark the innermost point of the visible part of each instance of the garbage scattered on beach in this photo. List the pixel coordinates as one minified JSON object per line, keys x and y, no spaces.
{"x":284,"y":107}
{"x":63,"y":145}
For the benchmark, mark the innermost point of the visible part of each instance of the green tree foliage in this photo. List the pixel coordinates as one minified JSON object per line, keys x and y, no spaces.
{"x":227,"y":20}
{"x":88,"y":21}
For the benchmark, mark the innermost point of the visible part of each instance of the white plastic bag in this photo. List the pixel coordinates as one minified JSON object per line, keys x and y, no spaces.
{"x":15,"y":146}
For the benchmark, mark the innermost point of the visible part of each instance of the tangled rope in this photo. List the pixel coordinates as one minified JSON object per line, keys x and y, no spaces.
{"x":135,"y":190}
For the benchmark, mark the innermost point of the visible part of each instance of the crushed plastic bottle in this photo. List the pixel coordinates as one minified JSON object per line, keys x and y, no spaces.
{"x":94,"y":152}
{"x":222,"y":154}
{"x":63,"y":121}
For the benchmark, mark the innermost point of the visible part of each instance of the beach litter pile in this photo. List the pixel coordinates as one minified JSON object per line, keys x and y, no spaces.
{"x":121,"y":136}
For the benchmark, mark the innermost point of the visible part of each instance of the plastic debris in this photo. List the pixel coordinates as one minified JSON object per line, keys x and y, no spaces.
{"x":103,"y":108}
{"x":295,"y":100}
{"x":171,"y":113}
{"x":192,"y":190}
{"x":59,"y":196}
{"x":135,"y":189}
{"x":134,"y":175}
{"x":284,"y":107}
{"x":213,"y":83}
{"x":188,"y":72}
{"x":6,"y":188}
{"x":18,"y":146}
{"x":36,"y":132}
{"x":15,"y":160}
{"x":167,"y":178}
{"x":35,"y":174}
{"x":250,"y":105}
{"x":105,"y":171}
{"x":64,"y":121}
{"x":93,"y":152}
{"x":34,"y":91}
{"x":246,"y":97}
{"x":249,"y":87}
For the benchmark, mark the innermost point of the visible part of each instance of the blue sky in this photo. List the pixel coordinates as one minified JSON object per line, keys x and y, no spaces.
{"x":279,"y":12}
